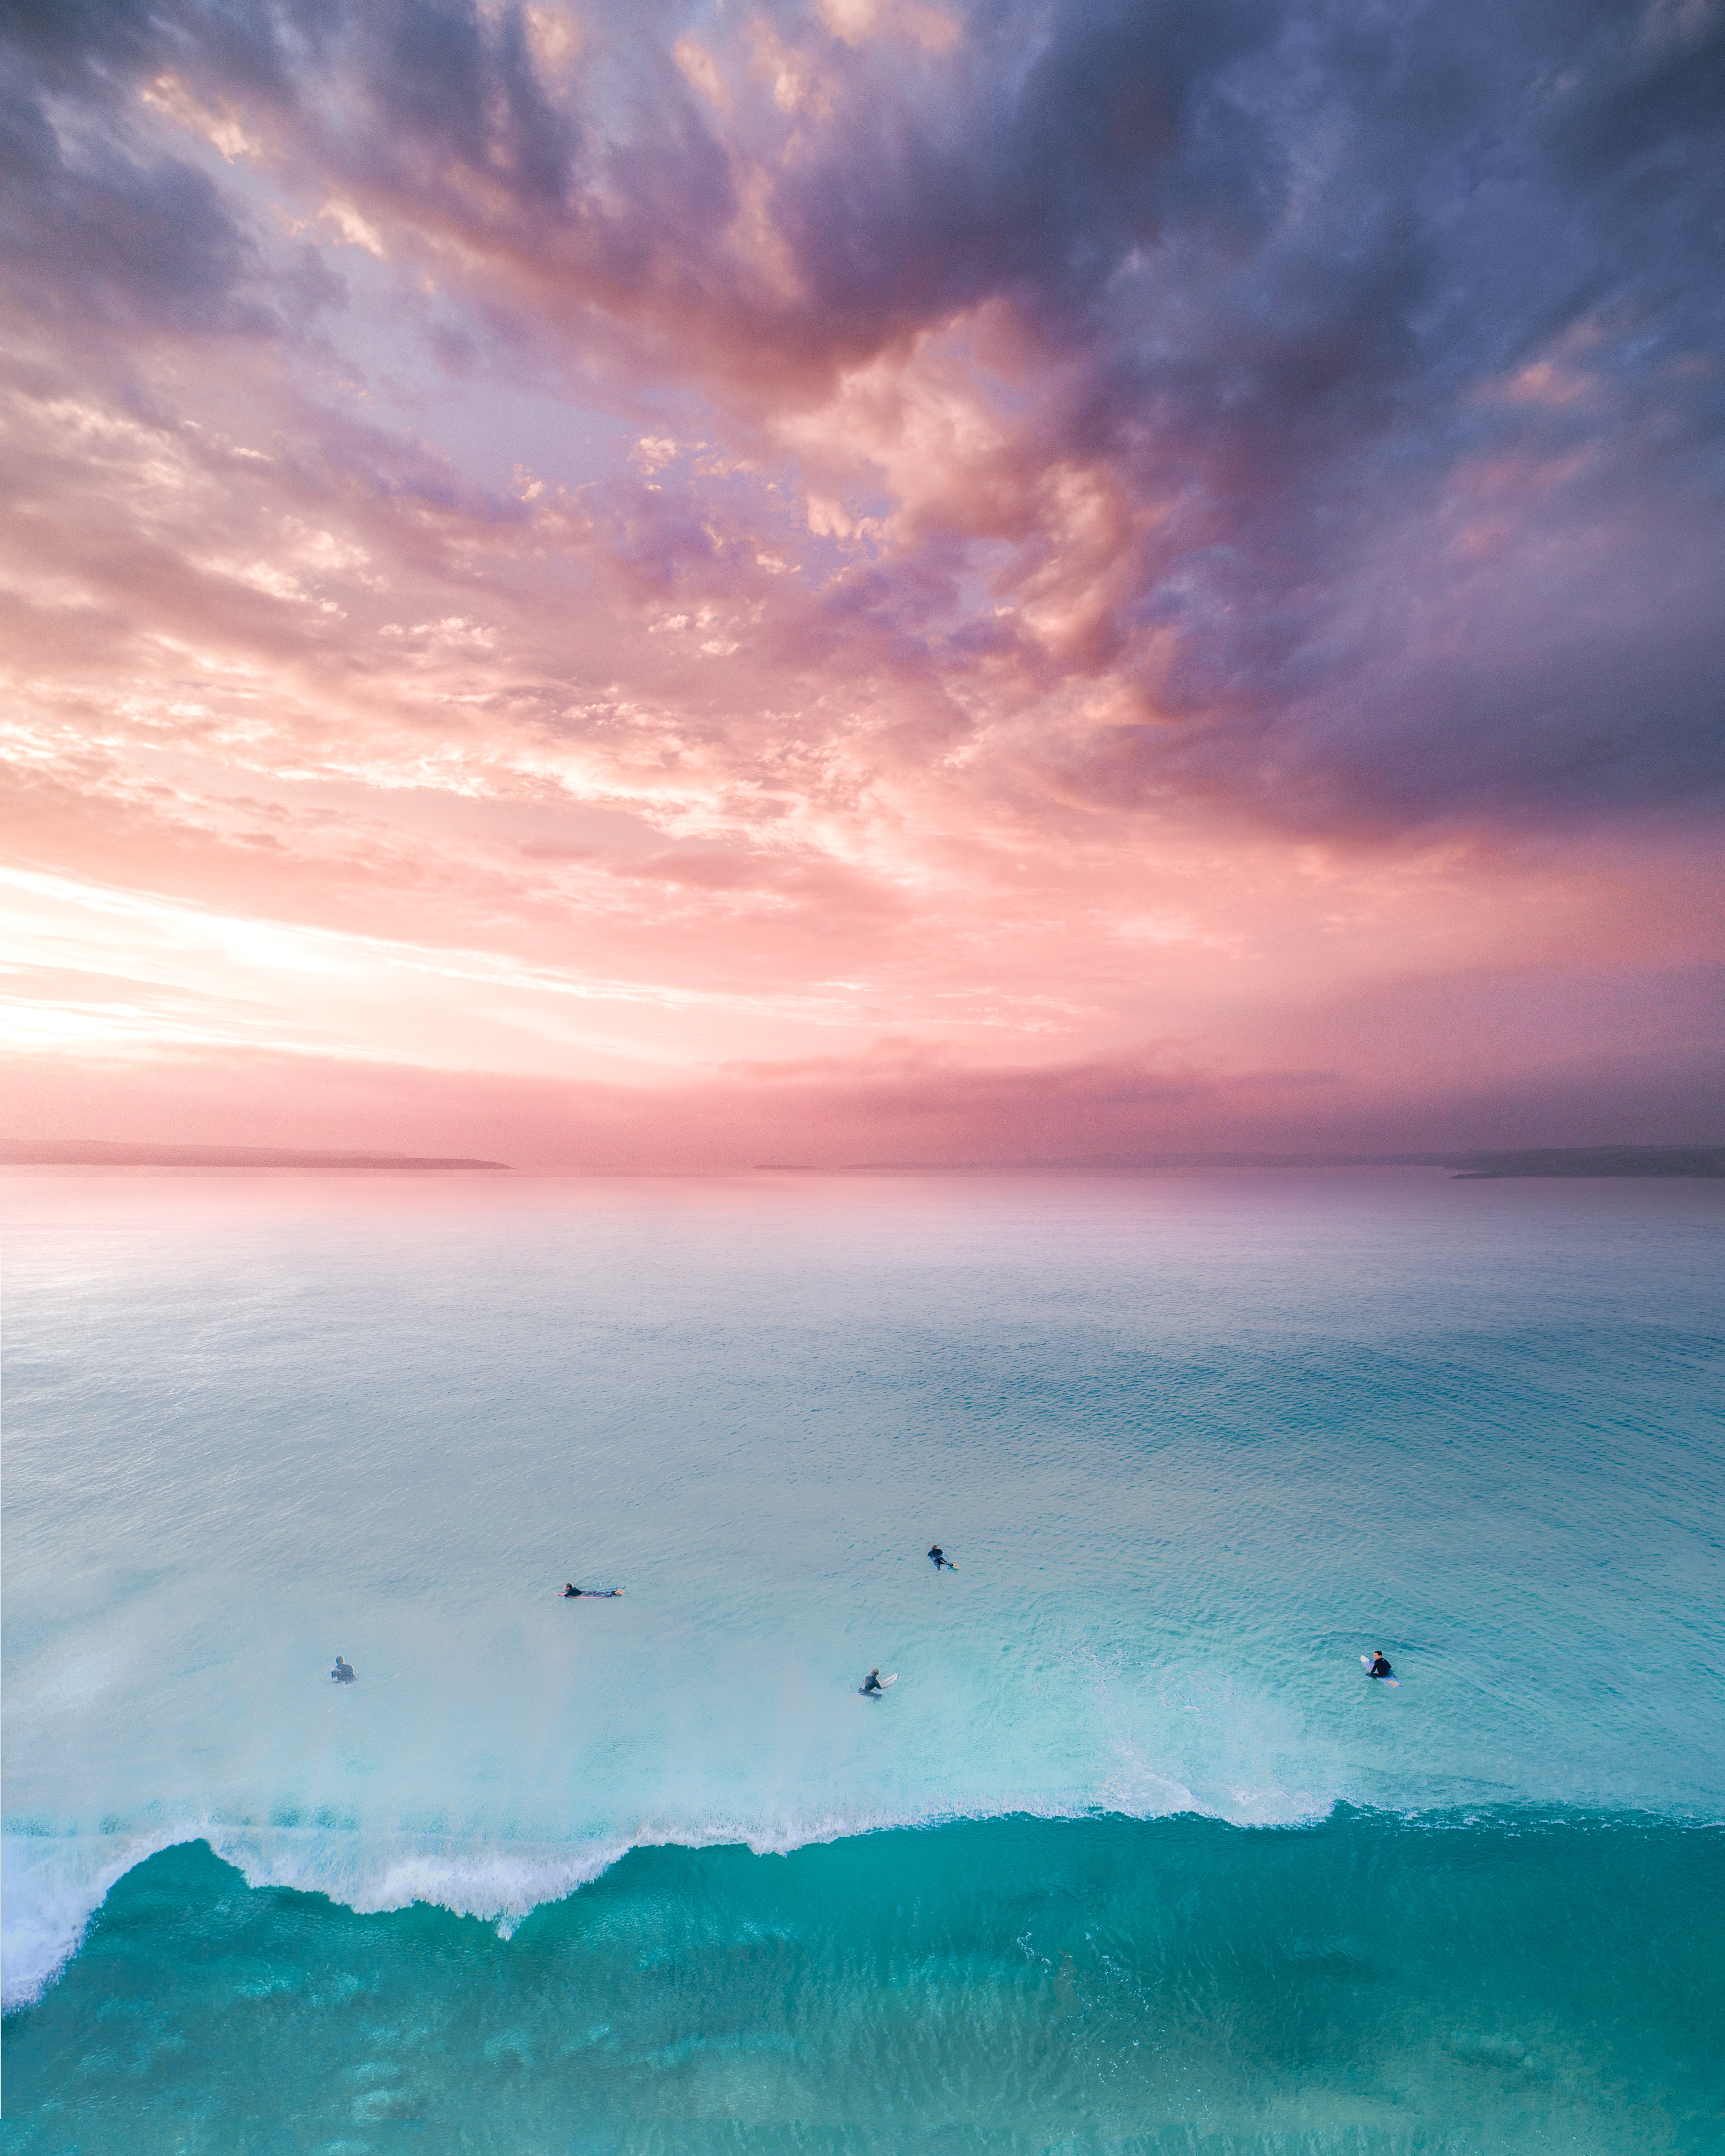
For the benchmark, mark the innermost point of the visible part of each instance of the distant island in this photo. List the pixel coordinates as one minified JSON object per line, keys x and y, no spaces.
{"x":103,"y":1152}
{"x":1708,"y":1161}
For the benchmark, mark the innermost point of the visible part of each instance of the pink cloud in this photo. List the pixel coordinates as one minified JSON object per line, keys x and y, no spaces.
{"x":889,"y":1106}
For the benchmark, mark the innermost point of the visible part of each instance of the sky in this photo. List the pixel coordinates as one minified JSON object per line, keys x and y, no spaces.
{"x":652,"y":587}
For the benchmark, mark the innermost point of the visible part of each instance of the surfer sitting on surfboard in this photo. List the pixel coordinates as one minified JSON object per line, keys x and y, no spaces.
{"x":872,"y":1682}
{"x":342,"y":1672}
{"x":1377,"y":1667}
{"x":593,"y":1594}
{"x":938,"y":1558}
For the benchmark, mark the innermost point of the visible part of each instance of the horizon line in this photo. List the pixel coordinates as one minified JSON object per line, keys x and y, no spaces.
{"x":1691,"y":1160}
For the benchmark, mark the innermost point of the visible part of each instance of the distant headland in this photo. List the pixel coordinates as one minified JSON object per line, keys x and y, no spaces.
{"x":103,"y":1152}
{"x":1703,"y":1161}
{"x":1707,"y":1161}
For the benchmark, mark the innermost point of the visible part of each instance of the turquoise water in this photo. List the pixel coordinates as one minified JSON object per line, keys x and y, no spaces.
{"x":1133,"y":1855}
{"x":1365,"y":1984}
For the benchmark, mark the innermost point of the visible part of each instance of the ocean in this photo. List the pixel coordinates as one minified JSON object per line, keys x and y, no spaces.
{"x":1132,"y":1856}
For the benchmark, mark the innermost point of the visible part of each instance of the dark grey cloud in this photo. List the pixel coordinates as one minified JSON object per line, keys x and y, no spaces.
{"x":126,"y":240}
{"x":1041,"y":180}
{"x":97,"y":228}
{"x":1301,"y":297}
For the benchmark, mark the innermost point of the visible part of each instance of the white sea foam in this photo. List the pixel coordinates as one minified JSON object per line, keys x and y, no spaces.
{"x":51,"y":1886}
{"x":54,"y":1883}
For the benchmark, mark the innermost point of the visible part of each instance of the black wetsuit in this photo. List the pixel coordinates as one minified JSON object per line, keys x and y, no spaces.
{"x":872,"y":1682}
{"x":342,"y":1672}
{"x":1380,"y":1668}
{"x":939,"y":1557}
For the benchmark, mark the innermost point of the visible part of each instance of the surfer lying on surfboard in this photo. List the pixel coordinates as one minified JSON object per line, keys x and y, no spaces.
{"x":938,"y":1558}
{"x":593,"y":1594}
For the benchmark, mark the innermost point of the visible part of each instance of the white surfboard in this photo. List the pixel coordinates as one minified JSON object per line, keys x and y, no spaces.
{"x":884,"y":1681}
{"x":1365,"y":1663}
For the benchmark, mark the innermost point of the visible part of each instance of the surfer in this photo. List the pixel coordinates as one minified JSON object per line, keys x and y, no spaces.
{"x":342,"y":1672}
{"x":571,"y":1592}
{"x":937,"y":1557}
{"x":872,"y":1684}
{"x":1377,"y":1667}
